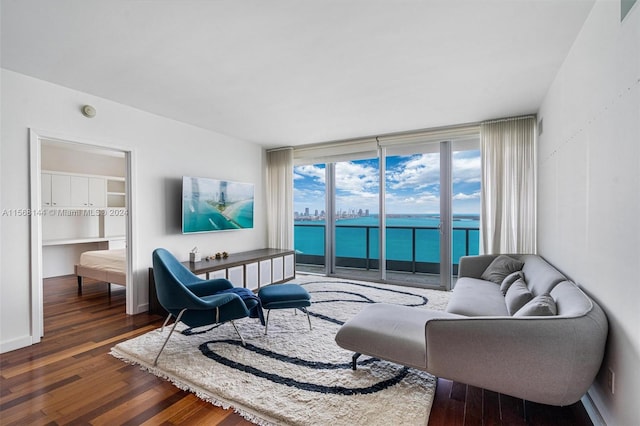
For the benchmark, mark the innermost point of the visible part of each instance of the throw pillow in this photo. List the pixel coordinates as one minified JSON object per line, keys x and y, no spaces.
{"x":510,"y":279}
{"x":517,"y":296}
{"x":501,"y":266}
{"x":541,"y":305}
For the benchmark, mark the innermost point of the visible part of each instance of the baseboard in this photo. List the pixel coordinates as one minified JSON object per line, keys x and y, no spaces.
{"x":592,"y":410}
{"x":143,"y":307}
{"x":19,"y":343}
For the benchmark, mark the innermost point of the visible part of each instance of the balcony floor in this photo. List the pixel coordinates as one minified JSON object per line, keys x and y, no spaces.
{"x":399,"y":278}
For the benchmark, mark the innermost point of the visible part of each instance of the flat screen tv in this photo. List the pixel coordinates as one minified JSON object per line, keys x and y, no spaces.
{"x":215,"y":205}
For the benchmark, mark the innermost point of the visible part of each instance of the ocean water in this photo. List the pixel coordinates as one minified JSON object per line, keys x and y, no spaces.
{"x":403,"y":232}
{"x":203,"y":217}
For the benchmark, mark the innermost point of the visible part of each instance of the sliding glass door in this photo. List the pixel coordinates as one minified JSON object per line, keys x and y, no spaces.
{"x":405,"y":216}
{"x":309,"y":205}
{"x":465,"y":179}
{"x":432,"y":210}
{"x":414,"y":222}
{"x":356,"y":220}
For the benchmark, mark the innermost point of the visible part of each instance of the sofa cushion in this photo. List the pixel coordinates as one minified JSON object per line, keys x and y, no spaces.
{"x":541,"y":305}
{"x":502,"y":266}
{"x":510,"y":279}
{"x":517,"y":296}
{"x":474,"y":297}
{"x":541,"y":276}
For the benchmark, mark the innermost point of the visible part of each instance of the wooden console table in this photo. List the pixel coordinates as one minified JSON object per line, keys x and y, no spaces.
{"x":250,"y":269}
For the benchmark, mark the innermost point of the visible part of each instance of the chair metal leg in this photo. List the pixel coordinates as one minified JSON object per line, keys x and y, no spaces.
{"x":266,"y":323}
{"x":241,"y":338}
{"x":155,"y":362}
{"x":165,"y":323}
{"x":306,"y":311}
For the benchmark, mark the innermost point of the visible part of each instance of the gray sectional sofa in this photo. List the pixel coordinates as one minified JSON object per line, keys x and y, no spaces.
{"x":514,"y":325}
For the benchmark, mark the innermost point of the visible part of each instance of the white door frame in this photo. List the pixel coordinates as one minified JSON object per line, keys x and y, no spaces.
{"x":37,"y":300}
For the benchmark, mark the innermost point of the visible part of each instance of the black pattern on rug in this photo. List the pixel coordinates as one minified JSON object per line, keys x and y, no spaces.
{"x":206,"y":350}
{"x":422,"y":300}
{"x":312,"y":387}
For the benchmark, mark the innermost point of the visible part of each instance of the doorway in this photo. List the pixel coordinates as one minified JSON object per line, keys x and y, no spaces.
{"x":80,"y":220}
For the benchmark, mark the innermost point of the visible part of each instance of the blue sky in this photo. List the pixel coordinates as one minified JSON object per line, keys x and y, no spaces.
{"x":412,"y":184}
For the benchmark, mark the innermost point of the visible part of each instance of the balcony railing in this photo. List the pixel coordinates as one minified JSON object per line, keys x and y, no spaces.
{"x":408,"y":248}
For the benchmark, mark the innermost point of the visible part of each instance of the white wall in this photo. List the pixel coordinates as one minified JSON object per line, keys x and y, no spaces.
{"x":589,"y":189}
{"x":164,"y":151}
{"x":91,"y":162}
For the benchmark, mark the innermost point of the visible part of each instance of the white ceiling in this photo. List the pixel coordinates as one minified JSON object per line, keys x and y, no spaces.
{"x":291,"y":72}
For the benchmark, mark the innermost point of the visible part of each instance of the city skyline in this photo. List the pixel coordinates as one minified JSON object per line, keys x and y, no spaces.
{"x":412,"y":184}
{"x":320,"y":214}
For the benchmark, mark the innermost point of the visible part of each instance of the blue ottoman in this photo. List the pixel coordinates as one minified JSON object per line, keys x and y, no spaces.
{"x":284,"y":296}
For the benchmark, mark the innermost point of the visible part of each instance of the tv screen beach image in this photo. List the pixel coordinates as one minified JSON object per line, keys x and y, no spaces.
{"x":215,"y":205}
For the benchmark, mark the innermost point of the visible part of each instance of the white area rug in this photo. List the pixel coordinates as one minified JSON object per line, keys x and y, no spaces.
{"x":294,"y":376}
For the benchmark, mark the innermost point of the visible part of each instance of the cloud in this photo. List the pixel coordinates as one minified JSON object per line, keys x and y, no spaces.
{"x":462,"y":196}
{"x":357,"y":178}
{"x":416,"y":172}
{"x":423,"y":202}
{"x":309,"y":171}
{"x":413,"y":183}
{"x":308,"y":198}
{"x":466,"y":168}
{"x":423,"y":170}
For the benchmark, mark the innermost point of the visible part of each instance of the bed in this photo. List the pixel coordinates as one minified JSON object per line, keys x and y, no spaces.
{"x":109,"y":266}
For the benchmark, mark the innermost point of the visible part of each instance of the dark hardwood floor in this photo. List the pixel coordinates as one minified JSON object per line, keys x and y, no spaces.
{"x":70,"y":378}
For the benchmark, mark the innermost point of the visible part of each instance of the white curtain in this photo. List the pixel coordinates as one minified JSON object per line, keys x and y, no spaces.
{"x":508,"y":219}
{"x":280,"y":198}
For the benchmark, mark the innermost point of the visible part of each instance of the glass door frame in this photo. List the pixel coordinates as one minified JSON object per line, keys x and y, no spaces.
{"x":446,"y":215}
{"x":445,"y":225}
{"x":382,"y":212}
{"x":330,"y":219}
